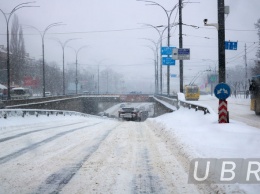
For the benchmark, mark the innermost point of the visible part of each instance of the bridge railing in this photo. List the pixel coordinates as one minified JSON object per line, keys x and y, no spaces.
{"x":172,"y":100}
{"x":179,"y":100}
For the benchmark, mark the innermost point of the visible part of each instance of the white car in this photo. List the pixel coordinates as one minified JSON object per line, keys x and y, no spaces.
{"x":47,"y":94}
{"x":122,"y":105}
{"x":86,"y":92}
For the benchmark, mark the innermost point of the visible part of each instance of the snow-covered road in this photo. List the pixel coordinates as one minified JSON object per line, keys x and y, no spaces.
{"x":89,"y":156}
{"x":76,"y":154}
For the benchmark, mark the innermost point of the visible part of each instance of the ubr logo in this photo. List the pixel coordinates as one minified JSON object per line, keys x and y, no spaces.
{"x":224,"y":171}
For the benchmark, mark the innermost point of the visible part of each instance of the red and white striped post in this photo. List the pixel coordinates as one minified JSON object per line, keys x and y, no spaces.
{"x":222,"y":92}
{"x":223,"y":112}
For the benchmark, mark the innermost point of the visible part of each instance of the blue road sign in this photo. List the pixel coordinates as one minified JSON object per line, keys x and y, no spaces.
{"x":182,"y":51}
{"x":230,"y":45}
{"x":181,"y":54}
{"x":173,"y":75}
{"x":168,"y":61}
{"x":166,"y":50}
{"x":222,"y":91}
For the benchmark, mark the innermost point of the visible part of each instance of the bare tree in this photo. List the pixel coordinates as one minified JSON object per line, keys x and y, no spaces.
{"x":54,"y":79}
{"x":17,"y":48}
{"x":256,"y":68}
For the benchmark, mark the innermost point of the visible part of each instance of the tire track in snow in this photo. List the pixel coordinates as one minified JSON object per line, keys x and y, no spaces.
{"x":38,"y":130}
{"x":56,"y":181}
{"x":22,"y":151}
{"x":145,"y":181}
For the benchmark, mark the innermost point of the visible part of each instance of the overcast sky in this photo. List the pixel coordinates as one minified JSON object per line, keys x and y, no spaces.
{"x":115,"y":34}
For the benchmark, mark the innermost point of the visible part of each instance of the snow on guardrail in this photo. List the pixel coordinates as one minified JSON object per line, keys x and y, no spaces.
{"x":5,"y":113}
{"x":193,"y":105}
{"x":179,"y":100}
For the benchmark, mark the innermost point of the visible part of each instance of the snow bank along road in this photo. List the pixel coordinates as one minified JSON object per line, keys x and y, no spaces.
{"x":239,"y":109}
{"x":89,"y":155}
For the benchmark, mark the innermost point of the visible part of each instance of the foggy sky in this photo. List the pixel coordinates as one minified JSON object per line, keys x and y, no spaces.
{"x":114,"y":33}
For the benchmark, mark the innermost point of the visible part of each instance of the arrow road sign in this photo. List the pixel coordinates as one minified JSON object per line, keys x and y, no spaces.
{"x":166,"y":50}
{"x":230,"y":45}
{"x":168,"y":61}
{"x":222,"y":91}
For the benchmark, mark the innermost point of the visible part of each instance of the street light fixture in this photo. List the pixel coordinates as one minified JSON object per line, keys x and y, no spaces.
{"x":76,"y":52}
{"x":7,"y":19}
{"x":168,"y":14}
{"x":43,"y":62}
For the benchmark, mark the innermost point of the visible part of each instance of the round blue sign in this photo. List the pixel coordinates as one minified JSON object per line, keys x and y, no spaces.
{"x":222,"y":91}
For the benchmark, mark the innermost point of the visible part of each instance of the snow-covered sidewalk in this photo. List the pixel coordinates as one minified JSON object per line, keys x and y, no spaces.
{"x":196,"y":135}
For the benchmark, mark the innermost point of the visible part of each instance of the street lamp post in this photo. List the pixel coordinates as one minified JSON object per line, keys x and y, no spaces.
{"x":98,"y":73}
{"x":42,"y":34}
{"x":168,"y":14}
{"x":7,"y":19}
{"x":76,"y":52}
{"x":156,"y":62}
{"x":63,"y":45}
{"x":161,"y":37}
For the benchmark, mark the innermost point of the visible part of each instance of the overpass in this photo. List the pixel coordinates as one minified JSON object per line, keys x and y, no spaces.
{"x":89,"y":104}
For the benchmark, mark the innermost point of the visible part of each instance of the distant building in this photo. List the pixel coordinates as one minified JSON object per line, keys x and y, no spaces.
{"x":29,"y":77}
{"x":3,"y":68}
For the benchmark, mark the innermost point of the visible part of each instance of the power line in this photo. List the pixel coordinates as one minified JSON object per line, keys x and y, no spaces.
{"x":199,"y":36}
{"x":239,"y":30}
{"x":114,"y":65}
{"x":95,"y":31}
{"x":132,"y":29}
{"x":242,"y":55}
{"x":241,"y":52}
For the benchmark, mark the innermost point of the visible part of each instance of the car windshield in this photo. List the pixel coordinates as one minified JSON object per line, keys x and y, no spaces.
{"x":18,"y":91}
{"x":128,"y":109}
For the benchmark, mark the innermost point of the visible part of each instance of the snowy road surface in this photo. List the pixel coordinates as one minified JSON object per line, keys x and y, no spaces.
{"x":73,"y":154}
{"x":89,"y":156}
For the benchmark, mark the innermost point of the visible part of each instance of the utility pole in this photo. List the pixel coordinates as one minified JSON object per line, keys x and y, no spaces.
{"x":180,"y":45}
{"x":221,"y":41}
{"x":246,"y":71}
{"x":246,"y":63}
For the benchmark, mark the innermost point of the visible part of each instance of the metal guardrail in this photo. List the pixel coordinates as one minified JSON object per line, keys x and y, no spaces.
{"x":35,"y":100}
{"x":5,"y":113}
{"x":190,"y":105}
{"x":173,"y":100}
